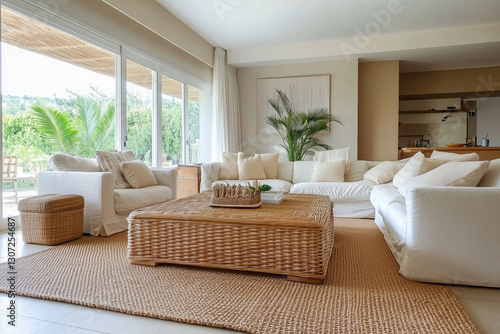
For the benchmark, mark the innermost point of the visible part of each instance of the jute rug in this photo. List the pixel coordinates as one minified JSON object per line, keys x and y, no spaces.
{"x":363,"y":292}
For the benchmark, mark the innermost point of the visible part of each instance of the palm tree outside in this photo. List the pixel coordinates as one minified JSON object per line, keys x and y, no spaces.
{"x":90,"y":128}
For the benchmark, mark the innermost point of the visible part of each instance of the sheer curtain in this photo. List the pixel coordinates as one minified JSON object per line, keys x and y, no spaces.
{"x":226,"y":109}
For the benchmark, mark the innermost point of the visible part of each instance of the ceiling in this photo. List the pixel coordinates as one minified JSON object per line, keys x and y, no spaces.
{"x":424,"y":35}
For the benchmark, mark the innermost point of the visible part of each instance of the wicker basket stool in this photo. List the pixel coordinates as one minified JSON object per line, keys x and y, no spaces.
{"x":51,"y":219}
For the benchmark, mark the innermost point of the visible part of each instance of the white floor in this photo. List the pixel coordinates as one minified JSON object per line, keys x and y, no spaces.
{"x":44,"y":316}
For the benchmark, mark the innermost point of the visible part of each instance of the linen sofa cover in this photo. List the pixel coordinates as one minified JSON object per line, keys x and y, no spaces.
{"x":443,"y":234}
{"x":106,"y":209}
{"x":351,"y":198}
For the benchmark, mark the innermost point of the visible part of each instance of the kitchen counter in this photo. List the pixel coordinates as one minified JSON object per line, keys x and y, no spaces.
{"x":485,"y":153}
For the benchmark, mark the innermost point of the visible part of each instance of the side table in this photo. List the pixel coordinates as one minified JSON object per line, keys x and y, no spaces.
{"x":188,"y":180}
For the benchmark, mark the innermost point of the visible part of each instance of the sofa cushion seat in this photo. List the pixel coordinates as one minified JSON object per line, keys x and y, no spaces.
{"x":337,"y":191}
{"x":391,"y":205}
{"x":276,"y":184}
{"x":128,"y":200}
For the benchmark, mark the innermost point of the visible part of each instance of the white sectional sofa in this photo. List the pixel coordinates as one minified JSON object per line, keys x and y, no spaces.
{"x":443,"y":234}
{"x":447,"y":233}
{"x":351,"y":198}
{"x":106,"y":207}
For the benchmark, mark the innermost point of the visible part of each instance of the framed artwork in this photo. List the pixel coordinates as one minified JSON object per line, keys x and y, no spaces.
{"x":305,"y":93}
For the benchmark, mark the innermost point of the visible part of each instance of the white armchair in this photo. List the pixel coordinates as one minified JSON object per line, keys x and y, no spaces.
{"x":106,"y":208}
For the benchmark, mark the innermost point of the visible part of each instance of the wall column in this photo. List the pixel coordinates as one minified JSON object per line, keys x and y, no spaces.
{"x":378,"y":110}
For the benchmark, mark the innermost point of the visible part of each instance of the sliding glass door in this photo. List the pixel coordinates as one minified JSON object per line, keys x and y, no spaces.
{"x":139,"y":138}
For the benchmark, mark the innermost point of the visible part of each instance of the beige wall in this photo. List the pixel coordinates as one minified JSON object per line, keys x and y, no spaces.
{"x":466,"y":83}
{"x":108,"y":20}
{"x":378,"y":104}
{"x":343,"y":104}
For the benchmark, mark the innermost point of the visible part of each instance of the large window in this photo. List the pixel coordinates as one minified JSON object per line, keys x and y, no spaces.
{"x":140,"y":111}
{"x":70,"y":73}
{"x":171,"y":127}
{"x":48,"y":75}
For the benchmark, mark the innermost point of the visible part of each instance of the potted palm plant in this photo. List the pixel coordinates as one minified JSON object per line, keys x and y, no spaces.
{"x":297,"y":129}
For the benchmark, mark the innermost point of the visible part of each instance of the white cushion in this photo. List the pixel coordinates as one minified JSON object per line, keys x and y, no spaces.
{"x":337,"y":191}
{"x":356,"y":171}
{"x":270,"y":164}
{"x":302,"y":171}
{"x":454,"y":156}
{"x":250,"y":168}
{"x":328,"y":171}
{"x":276,"y":184}
{"x":285,"y":171}
{"x":454,"y":173}
{"x":334,"y":155}
{"x":383,"y":172}
{"x":229,"y":167}
{"x":128,"y":200}
{"x":137,"y":174}
{"x":110,"y":161}
{"x":69,"y":163}
{"x":492,"y":176}
{"x":418,"y":164}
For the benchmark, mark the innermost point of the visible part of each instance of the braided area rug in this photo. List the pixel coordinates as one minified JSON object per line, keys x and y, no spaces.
{"x":363,"y":292}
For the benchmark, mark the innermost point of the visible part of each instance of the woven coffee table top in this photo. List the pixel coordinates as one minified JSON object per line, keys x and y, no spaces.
{"x":313,"y":211}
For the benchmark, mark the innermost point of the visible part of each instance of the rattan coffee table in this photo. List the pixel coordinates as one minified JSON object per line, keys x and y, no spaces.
{"x":294,"y":238}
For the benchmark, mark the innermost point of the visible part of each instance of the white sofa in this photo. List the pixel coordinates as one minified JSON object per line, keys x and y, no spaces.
{"x":444,"y":234}
{"x":351,"y":198}
{"x":106,"y":208}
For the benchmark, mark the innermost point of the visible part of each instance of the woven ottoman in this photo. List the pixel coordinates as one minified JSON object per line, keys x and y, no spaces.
{"x":51,"y":219}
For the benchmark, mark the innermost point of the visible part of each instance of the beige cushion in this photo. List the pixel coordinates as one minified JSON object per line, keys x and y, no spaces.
{"x":356,"y":171}
{"x":492,"y":176}
{"x":128,"y":200}
{"x":328,"y":171}
{"x":454,"y":156}
{"x":250,"y":168}
{"x":229,"y":167}
{"x":270,"y":164}
{"x":335,"y":155}
{"x":137,"y":174}
{"x":455,"y":173}
{"x":69,"y":163}
{"x":383,"y":172}
{"x":110,"y":162}
{"x":418,"y":164}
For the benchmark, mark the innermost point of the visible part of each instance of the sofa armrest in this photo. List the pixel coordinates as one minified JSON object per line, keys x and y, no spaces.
{"x":209,"y":174}
{"x":166,"y":177}
{"x":453,"y":233}
{"x":97,"y":188}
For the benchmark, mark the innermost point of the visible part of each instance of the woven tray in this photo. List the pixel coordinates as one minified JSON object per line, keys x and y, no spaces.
{"x":294,"y":238}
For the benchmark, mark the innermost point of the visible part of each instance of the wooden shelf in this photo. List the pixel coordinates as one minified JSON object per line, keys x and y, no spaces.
{"x":432,"y":111}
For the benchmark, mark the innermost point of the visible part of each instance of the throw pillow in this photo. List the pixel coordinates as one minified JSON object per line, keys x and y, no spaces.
{"x":270,"y":164}
{"x":69,"y":163}
{"x":334,"y":155}
{"x":418,"y":164}
{"x":383,"y":172}
{"x":492,"y":176}
{"x":229,"y":167}
{"x":110,"y":162}
{"x":137,"y":174}
{"x":250,"y":168}
{"x":328,"y":171}
{"x":455,"y":173}
{"x":356,"y":171}
{"x":454,"y":156}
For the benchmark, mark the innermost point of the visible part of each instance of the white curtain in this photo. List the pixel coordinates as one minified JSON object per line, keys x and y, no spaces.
{"x":226,"y":109}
